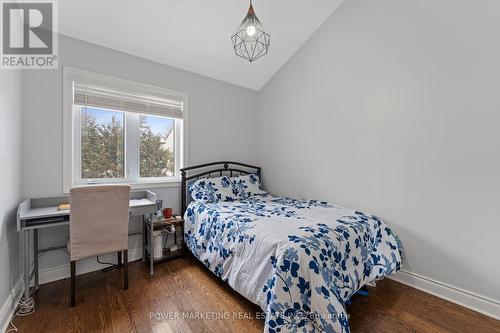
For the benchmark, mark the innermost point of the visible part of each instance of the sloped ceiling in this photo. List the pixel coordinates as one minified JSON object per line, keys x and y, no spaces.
{"x":194,"y":35}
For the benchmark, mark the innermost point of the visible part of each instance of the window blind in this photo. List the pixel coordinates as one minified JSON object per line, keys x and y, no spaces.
{"x":104,"y":97}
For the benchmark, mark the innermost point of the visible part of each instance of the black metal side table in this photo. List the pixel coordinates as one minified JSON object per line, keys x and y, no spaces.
{"x":151,"y":233}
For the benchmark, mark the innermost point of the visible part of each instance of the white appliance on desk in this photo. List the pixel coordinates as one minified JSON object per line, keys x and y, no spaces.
{"x":160,"y":238}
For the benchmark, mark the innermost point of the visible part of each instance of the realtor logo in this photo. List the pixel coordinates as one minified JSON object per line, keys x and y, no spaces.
{"x":29,"y":34}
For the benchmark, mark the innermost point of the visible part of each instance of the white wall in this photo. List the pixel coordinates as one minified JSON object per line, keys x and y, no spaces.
{"x":222,"y":121}
{"x":393,"y":107}
{"x":10,"y":190}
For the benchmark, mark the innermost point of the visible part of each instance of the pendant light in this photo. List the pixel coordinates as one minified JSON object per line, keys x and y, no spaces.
{"x":250,"y":41}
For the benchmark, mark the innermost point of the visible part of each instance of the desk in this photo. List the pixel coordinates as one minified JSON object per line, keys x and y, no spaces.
{"x":35,"y":214}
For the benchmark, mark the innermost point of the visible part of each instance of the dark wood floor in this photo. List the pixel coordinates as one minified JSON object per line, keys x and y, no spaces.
{"x":185,"y":286}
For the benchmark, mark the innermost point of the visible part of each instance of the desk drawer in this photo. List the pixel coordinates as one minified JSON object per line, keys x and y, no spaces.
{"x":46,"y":221}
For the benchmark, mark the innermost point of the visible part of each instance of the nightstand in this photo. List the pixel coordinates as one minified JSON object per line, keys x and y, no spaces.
{"x":160,"y":248}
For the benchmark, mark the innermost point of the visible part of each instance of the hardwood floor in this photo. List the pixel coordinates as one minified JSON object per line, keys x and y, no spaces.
{"x":185,"y":286}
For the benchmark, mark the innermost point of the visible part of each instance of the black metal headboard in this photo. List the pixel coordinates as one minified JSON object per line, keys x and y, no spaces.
{"x":218,"y":169}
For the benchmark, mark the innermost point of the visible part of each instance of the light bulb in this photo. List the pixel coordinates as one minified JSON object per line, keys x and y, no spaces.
{"x":251,"y":30}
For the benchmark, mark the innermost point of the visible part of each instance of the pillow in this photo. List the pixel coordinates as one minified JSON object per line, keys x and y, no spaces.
{"x":247,"y":185}
{"x":207,"y":190}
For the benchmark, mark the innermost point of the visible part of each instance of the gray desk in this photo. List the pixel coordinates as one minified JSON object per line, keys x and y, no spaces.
{"x":35,"y":214}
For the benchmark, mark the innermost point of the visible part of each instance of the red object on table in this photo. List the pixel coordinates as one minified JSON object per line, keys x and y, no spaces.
{"x":167,"y":213}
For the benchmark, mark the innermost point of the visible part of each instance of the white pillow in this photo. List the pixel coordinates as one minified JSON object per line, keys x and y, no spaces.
{"x":213,"y":190}
{"x":247,"y":185}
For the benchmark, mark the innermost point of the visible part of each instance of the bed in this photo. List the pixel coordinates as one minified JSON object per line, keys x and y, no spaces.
{"x":299,"y":260}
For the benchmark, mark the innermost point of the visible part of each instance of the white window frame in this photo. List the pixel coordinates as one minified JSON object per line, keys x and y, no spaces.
{"x":71,"y":128}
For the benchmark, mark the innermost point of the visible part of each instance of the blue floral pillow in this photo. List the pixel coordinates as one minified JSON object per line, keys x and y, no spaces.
{"x":247,"y":185}
{"x":213,"y":190}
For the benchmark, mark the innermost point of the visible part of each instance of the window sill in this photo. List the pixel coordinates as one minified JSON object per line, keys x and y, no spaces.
{"x":152,"y":185}
{"x":142,"y":185}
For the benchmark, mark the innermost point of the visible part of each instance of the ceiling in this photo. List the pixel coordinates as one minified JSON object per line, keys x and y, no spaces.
{"x":194,"y":35}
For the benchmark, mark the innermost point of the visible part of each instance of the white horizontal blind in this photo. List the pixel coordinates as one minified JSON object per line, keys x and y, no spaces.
{"x":91,"y":95}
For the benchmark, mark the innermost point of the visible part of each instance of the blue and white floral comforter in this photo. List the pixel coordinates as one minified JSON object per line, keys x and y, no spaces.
{"x":299,"y":260}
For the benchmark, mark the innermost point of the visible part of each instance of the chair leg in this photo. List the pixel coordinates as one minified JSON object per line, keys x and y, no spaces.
{"x":119,"y":258}
{"x":73,"y":283}
{"x":125,"y":269}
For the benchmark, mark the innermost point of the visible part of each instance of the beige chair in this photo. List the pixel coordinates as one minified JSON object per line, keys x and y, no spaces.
{"x":98,"y":225}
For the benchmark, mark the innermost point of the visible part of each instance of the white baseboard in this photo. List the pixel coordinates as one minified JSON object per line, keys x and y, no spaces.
{"x":84,"y":266}
{"x":9,"y":306}
{"x":473,"y":301}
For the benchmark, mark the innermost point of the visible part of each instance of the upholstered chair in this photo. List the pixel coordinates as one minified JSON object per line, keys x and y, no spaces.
{"x":99,"y":216}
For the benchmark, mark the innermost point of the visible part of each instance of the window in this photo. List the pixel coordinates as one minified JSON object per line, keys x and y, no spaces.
{"x":156,"y":149}
{"x":122,"y":131}
{"x":102,"y":137}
